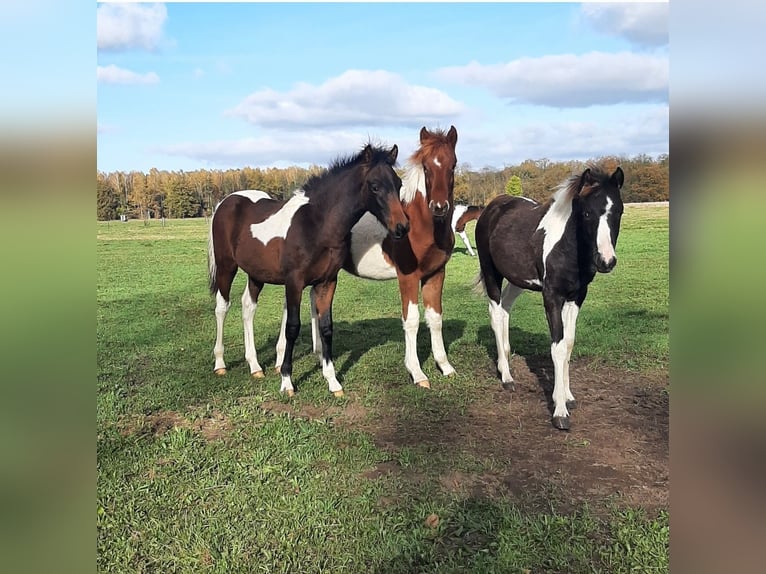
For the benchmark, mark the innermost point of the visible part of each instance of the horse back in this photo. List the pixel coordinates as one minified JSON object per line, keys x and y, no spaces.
{"x":507,"y":235}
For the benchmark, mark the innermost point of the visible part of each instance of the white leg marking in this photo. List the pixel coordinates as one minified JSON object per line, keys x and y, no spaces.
{"x":604,"y":235}
{"x":316,"y":339}
{"x":507,"y":299}
{"x":282,"y":340}
{"x":569,"y":313}
{"x":221,"y":308}
{"x":248,"y":312}
{"x":559,"y":355}
{"x":410,"y":324}
{"x":464,"y":237}
{"x":287,"y":385}
{"x":498,"y":320}
{"x":434,"y":322}
{"x":328,"y":371}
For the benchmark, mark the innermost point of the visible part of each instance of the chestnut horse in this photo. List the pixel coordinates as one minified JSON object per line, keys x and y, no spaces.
{"x":299,"y":242}
{"x":462,"y":215}
{"x":418,"y":260}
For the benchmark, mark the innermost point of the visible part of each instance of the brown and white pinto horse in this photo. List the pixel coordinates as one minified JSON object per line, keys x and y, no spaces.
{"x":462,"y":215}
{"x":299,"y":242}
{"x":418,"y":260}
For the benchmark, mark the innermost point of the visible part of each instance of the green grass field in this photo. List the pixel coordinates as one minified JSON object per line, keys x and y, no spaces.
{"x":198,"y":473}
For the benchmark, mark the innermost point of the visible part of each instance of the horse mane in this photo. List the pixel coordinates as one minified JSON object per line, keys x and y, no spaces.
{"x":414,"y":180}
{"x":341,"y":163}
{"x":570,"y":187}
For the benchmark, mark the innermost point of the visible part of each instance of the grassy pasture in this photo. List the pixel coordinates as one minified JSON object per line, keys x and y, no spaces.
{"x":198,"y":473}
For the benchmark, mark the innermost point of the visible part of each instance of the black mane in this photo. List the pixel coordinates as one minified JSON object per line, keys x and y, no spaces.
{"x":340,"y":164}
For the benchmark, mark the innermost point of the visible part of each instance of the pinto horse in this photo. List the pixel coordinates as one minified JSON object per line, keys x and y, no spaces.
{"x":299,"y":242}
{"x":462,"y":215}
{"x":418,"y":260}
{"x":557,"y":248}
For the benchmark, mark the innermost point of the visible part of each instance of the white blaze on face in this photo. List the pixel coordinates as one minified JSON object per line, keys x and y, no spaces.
{"x":437,"y":163}
{"x":604,"y":235}
{"x":366,"y":251}
{"x":278,"y":224}
{"x":554,"y":222}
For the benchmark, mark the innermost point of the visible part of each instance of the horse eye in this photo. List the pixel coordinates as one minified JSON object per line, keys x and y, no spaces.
{"x":374,"y":186}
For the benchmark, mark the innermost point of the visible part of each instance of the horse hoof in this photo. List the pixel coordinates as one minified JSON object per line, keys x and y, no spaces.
{"x":338,"y":393}
{"x":561,"y":423}
{"x":290,"y":392}
{"x":571,"y":405}
{"x":258,"y":375}
{"x":220,"y":372}
{"x":424,"y":384}
{"x":509,"y":386}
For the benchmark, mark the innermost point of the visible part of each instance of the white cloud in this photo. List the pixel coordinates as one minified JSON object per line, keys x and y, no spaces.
{"x":570,"y":81}
{"x":115,"y":75}
{"x":129,"y":26}
{"x":356,"y":97}
{"x":279,"y":148}
{"x":644,"y":24}
{"x":642,"y":133}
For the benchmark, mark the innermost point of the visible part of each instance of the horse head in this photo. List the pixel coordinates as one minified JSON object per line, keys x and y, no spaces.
{"x":380,"y":188}
{"x":438,"y":160}
{"x":600,"y":211}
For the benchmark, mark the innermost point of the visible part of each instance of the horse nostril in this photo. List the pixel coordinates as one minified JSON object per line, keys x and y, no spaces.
{"x":401,"y":230}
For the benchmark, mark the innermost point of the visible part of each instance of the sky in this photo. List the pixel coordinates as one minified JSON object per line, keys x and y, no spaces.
{"x":185,"y":86}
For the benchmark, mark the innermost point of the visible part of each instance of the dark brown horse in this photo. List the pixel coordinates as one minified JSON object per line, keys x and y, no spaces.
{"x":554,"y":247}
{"x":299,"y":242}
{"x":462,"y":215}
{"x":419,"y":259}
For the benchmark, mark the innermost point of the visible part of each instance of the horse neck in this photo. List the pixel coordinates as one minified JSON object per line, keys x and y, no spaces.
{"x":343,"y":202}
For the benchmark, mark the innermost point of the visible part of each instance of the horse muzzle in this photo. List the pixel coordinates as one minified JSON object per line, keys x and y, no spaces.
{"x":401,"y":230}
{"x":438,"y":208}
{"x":605,"y":266}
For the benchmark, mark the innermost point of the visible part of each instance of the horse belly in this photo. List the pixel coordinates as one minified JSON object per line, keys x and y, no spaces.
{"x":367,"y":257}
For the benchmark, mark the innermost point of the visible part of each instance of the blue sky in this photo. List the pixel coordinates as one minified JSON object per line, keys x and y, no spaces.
{"x":214,"y":85}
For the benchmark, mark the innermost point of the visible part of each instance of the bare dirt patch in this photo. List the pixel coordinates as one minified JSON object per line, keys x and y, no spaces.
{"x":617,"y":449}
{"x":216,"y":426}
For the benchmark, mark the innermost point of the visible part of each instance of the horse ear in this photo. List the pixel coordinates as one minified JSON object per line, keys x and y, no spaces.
{"x":452,"y":136}
{"x":367,"y":154}
{"x":586,"y":178}
{"x":423,"y":134}
{"x":618,"y":177}
{"x":393,"y":154}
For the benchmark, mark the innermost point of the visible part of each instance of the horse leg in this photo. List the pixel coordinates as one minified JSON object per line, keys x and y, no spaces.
{"x":322,"y":296}
{"x":464,"y":237}
{"x":223,"y":279}
{"x":281,"y":341}
{"x":554,"y":312}
{"x":507,"y":299}
{"x":569,"y":316}
{"x":293,"y":294}
{"x":408,"y":289}
{"x":316,"y":340}
{"x":432,"y":301}
{"x":249,"y":305}
{"x":498,"y":317}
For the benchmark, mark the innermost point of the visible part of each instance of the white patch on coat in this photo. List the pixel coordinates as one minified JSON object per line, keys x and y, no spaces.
{"x":413,"y":182}
{"x":554,"y":222}
{"x":533,"y":282}
{"x":278,"y":224}
{"x":457,"y":214}
{"x":366,"y":251}
{"x":604,"y":235}
{"x":253,"y":195}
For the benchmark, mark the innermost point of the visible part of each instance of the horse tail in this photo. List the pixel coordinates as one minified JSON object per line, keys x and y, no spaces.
{"x":478,"y":286}
{"x":211,"y":268}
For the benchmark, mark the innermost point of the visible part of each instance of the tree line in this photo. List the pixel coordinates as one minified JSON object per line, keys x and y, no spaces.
{"x":180,"y":194}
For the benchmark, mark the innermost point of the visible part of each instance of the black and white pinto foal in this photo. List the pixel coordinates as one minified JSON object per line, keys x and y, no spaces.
{"x":555,"y":247}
